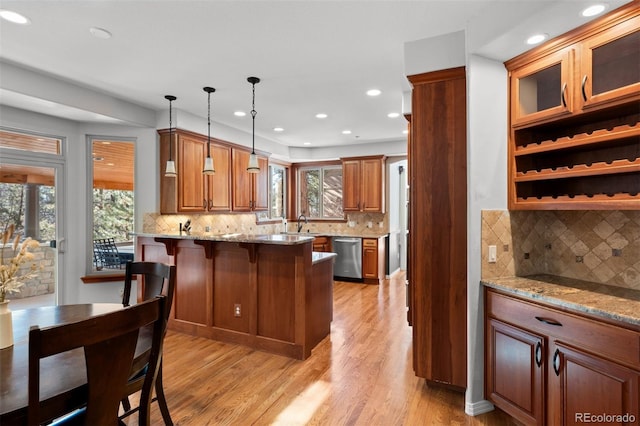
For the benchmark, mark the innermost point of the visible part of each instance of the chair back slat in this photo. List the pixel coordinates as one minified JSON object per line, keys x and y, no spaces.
{"x":157,"y":278}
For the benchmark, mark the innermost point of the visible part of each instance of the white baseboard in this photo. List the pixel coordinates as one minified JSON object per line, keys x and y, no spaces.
{"x":480,"y":407}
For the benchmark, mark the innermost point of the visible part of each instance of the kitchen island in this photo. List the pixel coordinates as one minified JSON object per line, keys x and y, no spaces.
{"x":269,"y":292}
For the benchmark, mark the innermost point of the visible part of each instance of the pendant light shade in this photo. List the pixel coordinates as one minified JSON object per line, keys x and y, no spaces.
{"x":208,"y":162}
{"x":170,"y":170}
{"x":253,"y":158}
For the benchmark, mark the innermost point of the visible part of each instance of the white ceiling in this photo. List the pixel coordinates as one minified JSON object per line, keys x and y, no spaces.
{"x":312,"y":56}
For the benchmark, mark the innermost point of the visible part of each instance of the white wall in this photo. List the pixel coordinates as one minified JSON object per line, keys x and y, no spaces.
{"x":487,"y":189}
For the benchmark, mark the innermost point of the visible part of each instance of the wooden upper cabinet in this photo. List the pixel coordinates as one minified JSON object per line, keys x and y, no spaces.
{"x":250,"y":190}
{"x":592,"y":67}
{"x":542,"y":89}
{"x":610,"y":66}
{"x":191,"y":191}
{"x":219,"y":184}
{"x":191,"y":181}
{"x":363,"y":184}
{"x":574,"y":142}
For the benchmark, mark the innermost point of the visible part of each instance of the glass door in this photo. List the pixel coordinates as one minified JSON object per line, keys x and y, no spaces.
{"x":30,"y":200}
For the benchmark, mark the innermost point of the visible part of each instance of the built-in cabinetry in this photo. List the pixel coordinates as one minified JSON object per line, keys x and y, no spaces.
{"x":250,"y":190}
{"x":373,"y":257}
{"x":546,"y":366}
{"x":437,"y":245}
{"x":363,"y":184}
{"x":193,"y":192}
{"x":574,"y":110}
{"x":322,"y":243}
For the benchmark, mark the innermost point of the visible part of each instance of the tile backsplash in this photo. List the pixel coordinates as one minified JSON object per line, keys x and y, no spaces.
{"x":594,"y":245}
{"x":356,"y":224}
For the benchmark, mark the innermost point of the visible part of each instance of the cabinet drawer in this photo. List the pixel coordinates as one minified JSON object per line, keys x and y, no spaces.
{"x":600,"y":338}
{"x":368,"y":242}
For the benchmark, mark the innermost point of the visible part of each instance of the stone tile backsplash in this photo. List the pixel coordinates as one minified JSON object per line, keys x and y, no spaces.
{"x":356,"y":224}
{"x":599,"y":246}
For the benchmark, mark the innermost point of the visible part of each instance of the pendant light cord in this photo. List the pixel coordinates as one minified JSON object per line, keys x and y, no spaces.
{"x":253,"y":119}
{"x":170,"y":129}
{"x":208,"y":123}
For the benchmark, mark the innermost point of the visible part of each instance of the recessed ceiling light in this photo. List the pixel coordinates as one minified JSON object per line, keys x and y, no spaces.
{"x":110,"y":164}
{"x":239,"y":113}
{"x":278,"y":129}
{"x":100,"y":33}
{"x":405,"y":132}
{"x":537,"y":38}
{"x":594,"y":10}
{"x":373,"y":92}
{"x":15,"y":17}
{"x":98,"y":158}
{"x":307,"y":143}
{"x":393,"y":115}
{"x":346,"y":132}
{"x":321,"y":115}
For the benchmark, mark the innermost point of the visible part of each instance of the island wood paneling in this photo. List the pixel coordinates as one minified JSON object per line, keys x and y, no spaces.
{"x":438,"y":224}
{"x":268,"y":282}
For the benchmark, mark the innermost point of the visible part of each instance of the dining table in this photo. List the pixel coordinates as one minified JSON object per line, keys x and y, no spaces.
{"x":63,"y":379}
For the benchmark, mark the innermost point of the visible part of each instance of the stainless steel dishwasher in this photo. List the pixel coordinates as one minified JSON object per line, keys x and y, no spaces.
{"x":349,"y":261}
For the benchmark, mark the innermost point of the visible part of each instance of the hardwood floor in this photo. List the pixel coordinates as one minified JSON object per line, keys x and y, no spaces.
{"x":360,"y":375}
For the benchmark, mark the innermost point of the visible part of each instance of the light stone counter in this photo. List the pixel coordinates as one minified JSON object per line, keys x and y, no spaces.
{"x":615,"y":303}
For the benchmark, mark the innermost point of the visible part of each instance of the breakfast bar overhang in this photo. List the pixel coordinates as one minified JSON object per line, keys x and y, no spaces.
{"x":269,"y":292}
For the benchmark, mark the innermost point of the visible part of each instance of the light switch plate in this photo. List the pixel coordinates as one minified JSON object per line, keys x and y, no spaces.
{"x":493,"y":255}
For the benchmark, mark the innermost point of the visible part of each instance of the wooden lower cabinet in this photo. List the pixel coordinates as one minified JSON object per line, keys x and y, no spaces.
{"x":373,"y":253}
{"x":584,"y":386}
{"x":514,"y":373}
{"x":322,"y":243}
{"x":545,"y":366}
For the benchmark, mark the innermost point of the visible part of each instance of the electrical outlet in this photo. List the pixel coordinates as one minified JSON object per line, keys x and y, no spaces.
{"x":237,"y":311}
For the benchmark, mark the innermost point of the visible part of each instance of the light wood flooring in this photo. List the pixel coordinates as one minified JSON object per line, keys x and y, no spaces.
{"x":361,"y":374}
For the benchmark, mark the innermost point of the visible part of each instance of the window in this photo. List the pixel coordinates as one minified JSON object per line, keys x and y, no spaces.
{"x":277,"y":191}
{"x":112,"y":199}
{"x":320,"y":192}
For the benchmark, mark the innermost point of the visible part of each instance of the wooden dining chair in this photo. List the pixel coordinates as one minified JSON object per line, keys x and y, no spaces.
{"x":109,"y":342}
{"x":157,"y":278}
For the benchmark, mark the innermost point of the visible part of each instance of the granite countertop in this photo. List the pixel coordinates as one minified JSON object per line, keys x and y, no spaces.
{"x":615,"y":303}
{"x":281,"y":239}
{"x":371,"y":234}
{"x":319,"y":256}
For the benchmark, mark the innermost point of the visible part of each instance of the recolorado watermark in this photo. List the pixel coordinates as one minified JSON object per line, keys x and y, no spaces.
{"x":604,"y":418}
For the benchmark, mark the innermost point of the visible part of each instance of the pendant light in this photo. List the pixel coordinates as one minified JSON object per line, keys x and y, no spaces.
{"x":253,"y":158}
{"x":208,"y":162}
{"x":170,"y":170}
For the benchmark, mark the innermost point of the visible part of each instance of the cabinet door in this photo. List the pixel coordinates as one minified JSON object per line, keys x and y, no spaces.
{"x":583,"y":385}
{"x":369,"y":258}
{"x":219,"y":184}
{"x":191,"y":181}
{"x":241,"y":181}
{"x":514,"y":371}
{"x":260,"y":194}
{"x":351,"y":185}
{"x":610,"y":65}
{"x":371,"y":195}
{"x":542,"y":90}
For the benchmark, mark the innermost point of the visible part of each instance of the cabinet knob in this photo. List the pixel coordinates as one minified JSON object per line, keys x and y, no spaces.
{"x":539,"y":354}
{"x":583,"y":88}
{"x":204,"y":204}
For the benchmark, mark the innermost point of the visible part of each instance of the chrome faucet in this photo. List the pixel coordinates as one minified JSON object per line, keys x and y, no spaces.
{"x":300,"y":225}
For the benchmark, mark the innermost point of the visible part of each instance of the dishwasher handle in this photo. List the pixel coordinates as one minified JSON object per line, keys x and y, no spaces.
{"x":347,"y":240}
